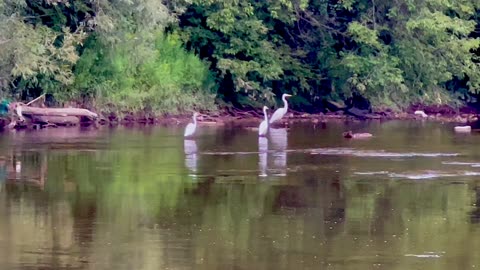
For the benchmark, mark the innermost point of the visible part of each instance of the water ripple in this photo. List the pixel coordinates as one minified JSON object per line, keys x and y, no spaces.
{"x":471,"y":164}
{"x":341,"y":152}
{"x":424,"y":255}
{"x":421,"y":175}
{"x":375,"y":153}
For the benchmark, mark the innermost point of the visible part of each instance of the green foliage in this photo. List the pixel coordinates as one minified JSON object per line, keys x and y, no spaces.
{"x":239,"y":39}
{"x":405,"y":55}
{"x":32,"y":55}
{"x":136,"y":75}
{"x":126,"y":63}
{"x":142,"y":54}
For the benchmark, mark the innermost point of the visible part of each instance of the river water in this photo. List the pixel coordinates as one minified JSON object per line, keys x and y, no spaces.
{"x":304,"y":198}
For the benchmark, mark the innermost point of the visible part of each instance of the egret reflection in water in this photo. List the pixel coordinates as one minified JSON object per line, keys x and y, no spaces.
{"x":191,"y":156}
{"x":262,"y":156}
{"x":278,"y":137}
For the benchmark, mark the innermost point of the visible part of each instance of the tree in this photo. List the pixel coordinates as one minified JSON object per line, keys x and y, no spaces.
{"x":239,"y":39}
{"x":408,"y":51}
{"x":33,"y":55}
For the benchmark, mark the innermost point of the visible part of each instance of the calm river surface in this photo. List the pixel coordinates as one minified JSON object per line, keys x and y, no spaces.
{"x":305,"y":198}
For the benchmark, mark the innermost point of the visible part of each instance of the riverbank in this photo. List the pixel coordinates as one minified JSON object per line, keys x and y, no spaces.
{"x":254,"y":117}
{"x":245,"y":118}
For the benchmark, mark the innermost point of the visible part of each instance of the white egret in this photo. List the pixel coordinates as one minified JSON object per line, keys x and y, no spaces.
{"x":279,"y":113}
{"x":191,"y":127}
{"x":263,"y":128}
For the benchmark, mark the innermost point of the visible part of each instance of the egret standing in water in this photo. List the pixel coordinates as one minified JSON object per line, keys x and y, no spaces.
{"x":279,"y":113}
{"x":263,"y":128}
{"x":191,"y":127}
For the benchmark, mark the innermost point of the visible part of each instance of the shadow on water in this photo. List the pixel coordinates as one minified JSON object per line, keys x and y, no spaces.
{"x":302,"y":198}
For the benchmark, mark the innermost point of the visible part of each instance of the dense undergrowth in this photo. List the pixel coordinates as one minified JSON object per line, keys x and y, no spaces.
{"x":177,"y":56}
{"x":159,"y":76}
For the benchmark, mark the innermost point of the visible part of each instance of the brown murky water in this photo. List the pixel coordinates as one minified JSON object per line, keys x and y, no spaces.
{"x":305,"y":198}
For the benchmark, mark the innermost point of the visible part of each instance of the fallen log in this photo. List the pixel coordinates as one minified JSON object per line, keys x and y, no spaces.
{"x":57,"y":120}
{"x":58,"y":112}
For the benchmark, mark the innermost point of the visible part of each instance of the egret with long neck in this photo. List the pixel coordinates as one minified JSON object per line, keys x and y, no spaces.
{"x":263,"y":128}
{"x":279,"y":113}
{"x":191,"y":127}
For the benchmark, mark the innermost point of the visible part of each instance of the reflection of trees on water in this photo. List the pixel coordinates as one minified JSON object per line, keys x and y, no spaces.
{"x":133,"y":209}
{"x":209,"y":224}
{"x":24,"y":168}
{"x":475,"y":213}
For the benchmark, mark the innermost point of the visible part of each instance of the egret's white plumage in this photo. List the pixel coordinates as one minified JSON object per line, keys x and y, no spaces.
{"x":263,"y":128}
{"x":191,"y":127}
{"x":279,"y":113}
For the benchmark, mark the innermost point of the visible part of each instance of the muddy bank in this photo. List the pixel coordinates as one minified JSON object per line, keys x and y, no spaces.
{"x":247,"y":118}
{"x":253,"y":118}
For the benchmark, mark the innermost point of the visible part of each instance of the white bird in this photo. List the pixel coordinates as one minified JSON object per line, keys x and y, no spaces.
{"x":191,"y":127}
{"x":279,"y":113}
{"x":263,"y":128}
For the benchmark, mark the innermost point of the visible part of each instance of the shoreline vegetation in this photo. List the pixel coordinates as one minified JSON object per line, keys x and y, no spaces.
{"x":150,"y":60}
{"x":61,"y":117}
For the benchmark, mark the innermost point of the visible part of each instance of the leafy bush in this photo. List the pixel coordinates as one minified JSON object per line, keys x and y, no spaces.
{"x":137,"y":75}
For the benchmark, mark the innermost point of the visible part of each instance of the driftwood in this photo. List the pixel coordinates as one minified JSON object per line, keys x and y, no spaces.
{"x":35,"y":100}
{"x":64,"y":112}
{"x":40,"y":117}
